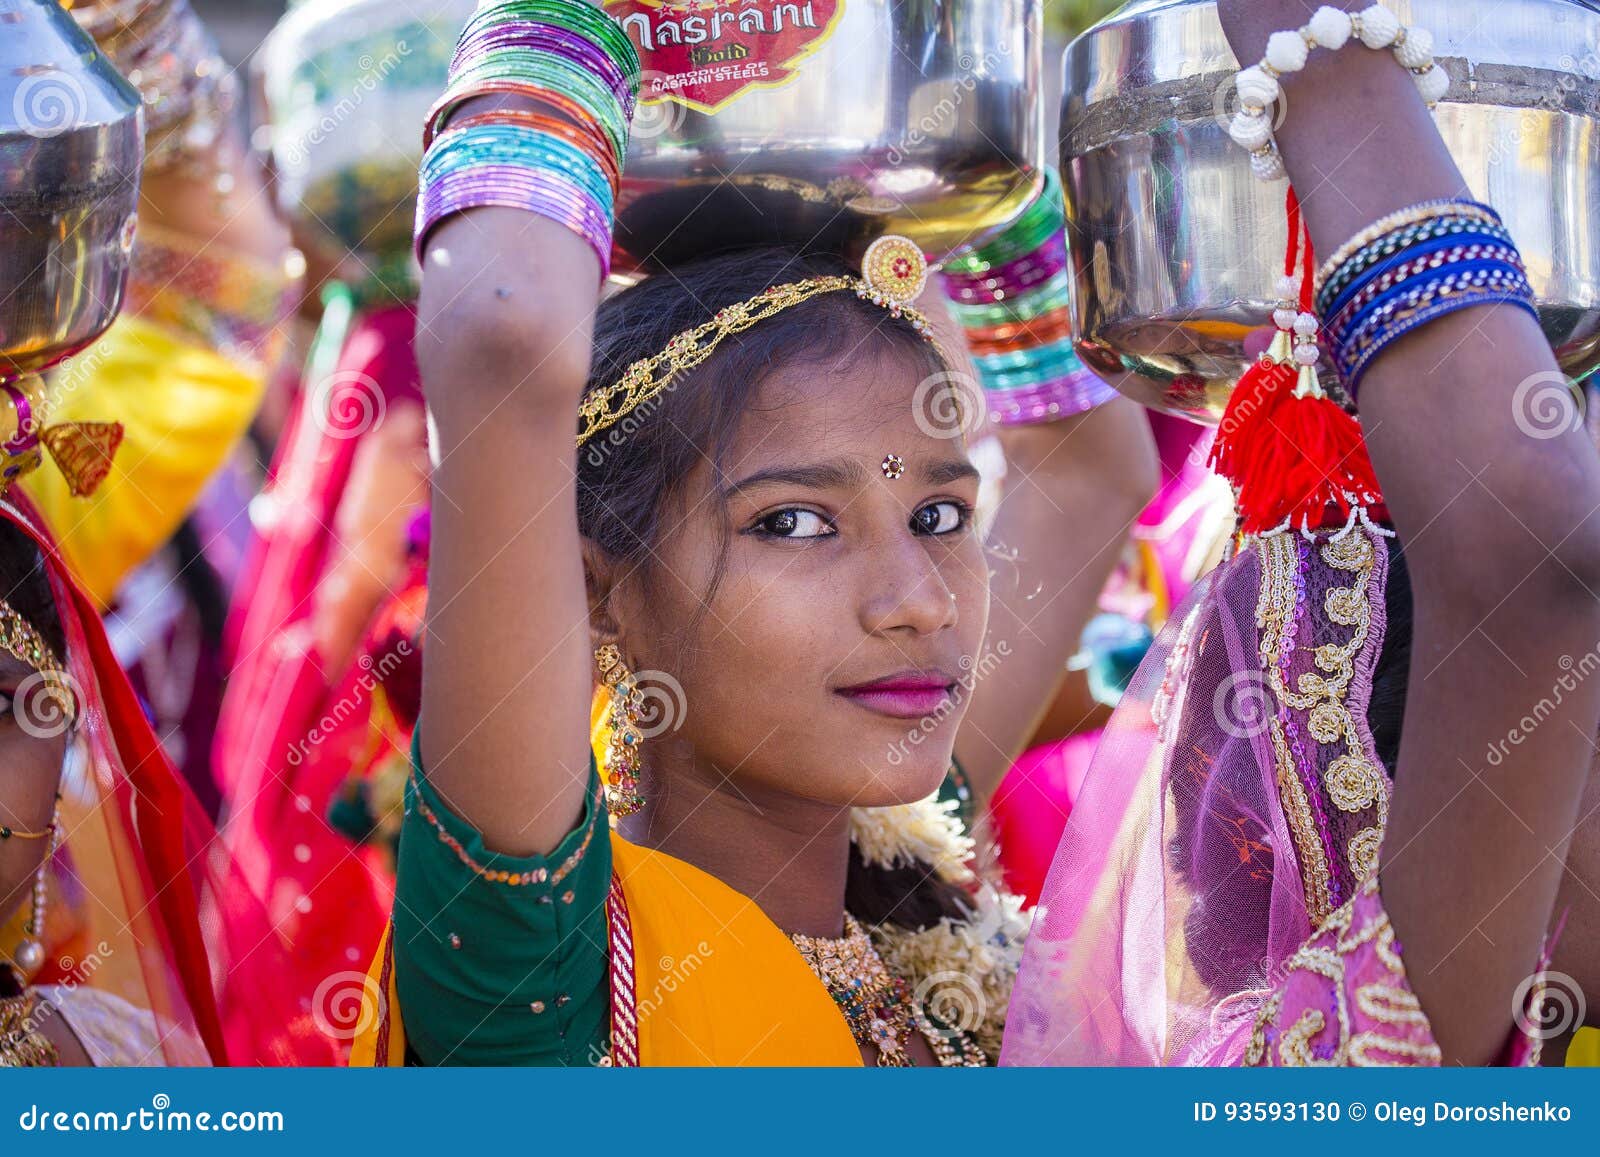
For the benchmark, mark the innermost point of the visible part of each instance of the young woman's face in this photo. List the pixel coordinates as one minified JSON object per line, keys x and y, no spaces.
{"x":30,"y":772}
{"x":828,"y":661}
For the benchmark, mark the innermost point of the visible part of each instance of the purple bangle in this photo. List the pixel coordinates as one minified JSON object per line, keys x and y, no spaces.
{"x":1063,"y":397}
{"x":1015,"y":277}
{"x":544,"y":192}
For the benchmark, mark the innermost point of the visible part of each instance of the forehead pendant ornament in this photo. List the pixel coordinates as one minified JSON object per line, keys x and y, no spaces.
{"x":893,"y":466}
{"x":893,"y":274}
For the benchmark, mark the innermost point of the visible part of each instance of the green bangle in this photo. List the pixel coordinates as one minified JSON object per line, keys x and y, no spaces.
{"x":574,"y":15}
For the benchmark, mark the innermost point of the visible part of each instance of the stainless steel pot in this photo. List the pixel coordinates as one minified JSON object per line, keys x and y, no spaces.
{"x":921,"y":117}
{"x":71,"y":143}
{"x":1177,"y":246}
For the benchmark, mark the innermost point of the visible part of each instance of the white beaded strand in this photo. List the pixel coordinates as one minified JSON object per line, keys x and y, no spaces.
{"x":1330,"y":28}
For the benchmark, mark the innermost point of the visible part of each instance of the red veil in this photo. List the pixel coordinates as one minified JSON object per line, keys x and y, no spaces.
{"x":155,"y":914}
{"x":290,"y":725}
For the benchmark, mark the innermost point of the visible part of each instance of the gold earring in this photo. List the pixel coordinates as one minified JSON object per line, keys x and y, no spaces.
{"x":623,"y":745}
{"x":30,"y":953}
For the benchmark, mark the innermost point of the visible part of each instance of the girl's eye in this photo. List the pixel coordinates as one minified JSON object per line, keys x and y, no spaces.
{"x":7,"y":698}
{"x":941,"y":518}
{"x":795,"y":524}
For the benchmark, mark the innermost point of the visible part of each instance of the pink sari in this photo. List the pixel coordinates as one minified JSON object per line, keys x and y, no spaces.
{"x":1214,"y":897}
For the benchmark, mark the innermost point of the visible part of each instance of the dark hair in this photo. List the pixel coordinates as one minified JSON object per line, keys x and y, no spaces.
{"x":628,"y":475}
{"x":1386,"y":712}
{"x":25,"y":585}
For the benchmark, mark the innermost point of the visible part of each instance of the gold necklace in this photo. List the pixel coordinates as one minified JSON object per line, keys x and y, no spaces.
{"x":22,"y":1046}
{"x":877,"y":1004}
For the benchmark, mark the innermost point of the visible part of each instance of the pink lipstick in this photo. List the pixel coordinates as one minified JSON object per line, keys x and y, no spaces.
{"x":903,"y":695}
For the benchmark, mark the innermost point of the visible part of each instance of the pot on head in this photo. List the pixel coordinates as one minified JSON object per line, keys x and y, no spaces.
{"x":1178,"y":247}
{"x":71,"y":144}
{"x":826,"y":123}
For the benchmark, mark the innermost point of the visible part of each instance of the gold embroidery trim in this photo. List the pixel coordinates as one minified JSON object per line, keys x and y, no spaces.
{"x":1353,"y":781}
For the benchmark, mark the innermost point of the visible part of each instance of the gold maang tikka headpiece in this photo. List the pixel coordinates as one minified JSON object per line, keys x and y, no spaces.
{"x":893,"y":274}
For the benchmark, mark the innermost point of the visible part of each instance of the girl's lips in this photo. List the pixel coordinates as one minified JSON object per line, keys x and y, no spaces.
{"x":900,"y":697}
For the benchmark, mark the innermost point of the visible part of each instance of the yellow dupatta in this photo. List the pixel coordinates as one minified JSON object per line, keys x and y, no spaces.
{"x":183,"y":408}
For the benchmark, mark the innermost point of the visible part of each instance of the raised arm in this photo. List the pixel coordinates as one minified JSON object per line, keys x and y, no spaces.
{"x":503,"y":338}
{"x":1501,"y":534}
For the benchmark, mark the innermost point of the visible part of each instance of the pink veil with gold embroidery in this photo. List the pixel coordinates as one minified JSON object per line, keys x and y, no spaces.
{"x":1234,"y":801}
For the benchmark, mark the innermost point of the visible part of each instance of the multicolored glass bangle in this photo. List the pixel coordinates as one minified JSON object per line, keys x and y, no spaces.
{"x":1012,"y":296}
{"x":1411,"y":215}
{"x":561,"y":160}
{"x":1406,"y":268}
{"x":1360,"y":264}
{"x":1051,"y":401}
{"x":1053,"y":295}
{"x":1446,"y":291}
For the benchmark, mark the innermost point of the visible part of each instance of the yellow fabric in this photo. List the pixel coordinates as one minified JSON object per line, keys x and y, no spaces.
{"x":716,"y":982}
{"x":1585,"y":1050}
{"x":183,"y":407}
{"x":600,"y":727}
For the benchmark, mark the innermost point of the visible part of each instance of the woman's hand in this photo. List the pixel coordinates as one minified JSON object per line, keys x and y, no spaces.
{"x":1501,"y":534}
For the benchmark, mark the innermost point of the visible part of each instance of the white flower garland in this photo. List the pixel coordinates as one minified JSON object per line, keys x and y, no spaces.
{"x":960,"y":970}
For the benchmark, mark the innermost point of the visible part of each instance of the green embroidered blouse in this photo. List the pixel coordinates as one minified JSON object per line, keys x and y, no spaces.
{"x":510,"y":973}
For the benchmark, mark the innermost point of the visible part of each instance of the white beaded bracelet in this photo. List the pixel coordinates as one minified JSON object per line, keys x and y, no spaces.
{"x":1329,"y":28}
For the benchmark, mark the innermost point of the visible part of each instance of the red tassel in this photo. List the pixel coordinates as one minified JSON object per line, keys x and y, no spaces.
{"x":1308,"y":470}
{"x":1295,"y":457}
{"x":1261,"y":391}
